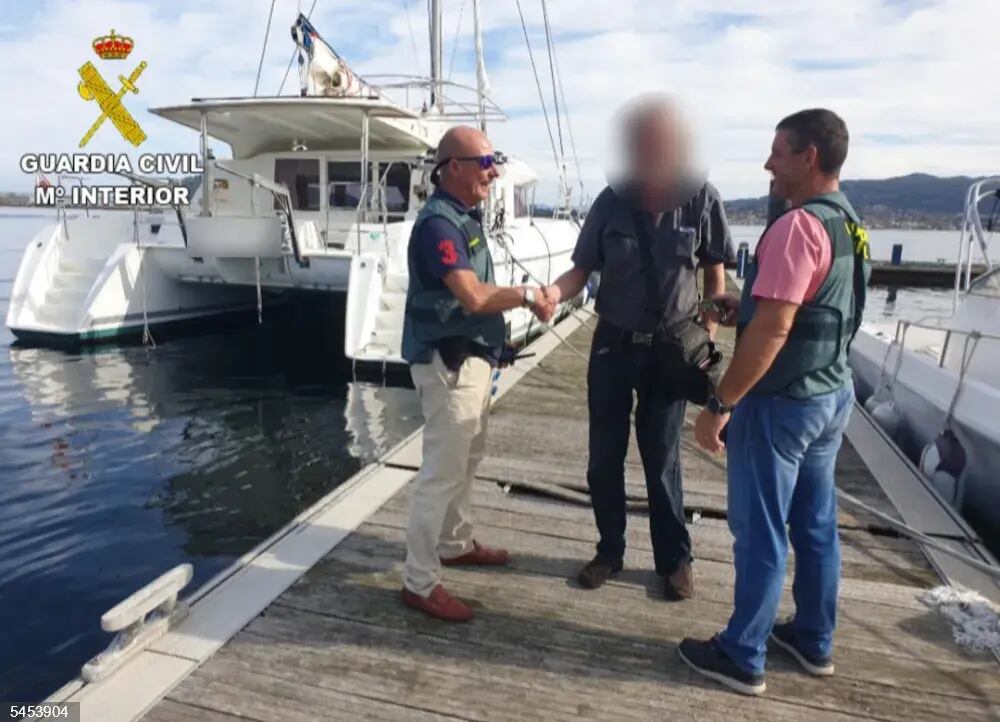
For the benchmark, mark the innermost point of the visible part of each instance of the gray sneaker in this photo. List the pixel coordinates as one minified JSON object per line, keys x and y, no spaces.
{"x":783,"y":634}
{"x":708,"y":659}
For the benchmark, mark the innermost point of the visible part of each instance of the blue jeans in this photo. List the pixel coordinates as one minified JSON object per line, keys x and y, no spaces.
{"x":616,"y":369}
{"x":781,"y":457}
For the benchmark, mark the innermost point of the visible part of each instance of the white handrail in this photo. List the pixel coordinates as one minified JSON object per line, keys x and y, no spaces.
{"x":972,"y":232}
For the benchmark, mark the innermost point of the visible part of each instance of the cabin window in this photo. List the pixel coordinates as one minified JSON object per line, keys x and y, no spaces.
{"x":301,"y":177}
{"x":397,"y":187}
{"x":344,"y":179}
{"x":522,"y":201}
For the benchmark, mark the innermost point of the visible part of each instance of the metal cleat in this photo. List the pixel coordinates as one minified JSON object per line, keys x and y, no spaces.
{"x":140,"y":620}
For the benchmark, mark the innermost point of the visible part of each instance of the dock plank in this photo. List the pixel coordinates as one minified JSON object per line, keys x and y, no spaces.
{"x":338,"y":644}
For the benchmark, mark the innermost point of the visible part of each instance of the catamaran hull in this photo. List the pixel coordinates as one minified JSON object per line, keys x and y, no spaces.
{"x":922,"y":393}
{"x":82,"y":281}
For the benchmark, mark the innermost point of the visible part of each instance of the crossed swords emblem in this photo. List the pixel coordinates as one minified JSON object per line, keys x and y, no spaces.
{"x":93,"y":87}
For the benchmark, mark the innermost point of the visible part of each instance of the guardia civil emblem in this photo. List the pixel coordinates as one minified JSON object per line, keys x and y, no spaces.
{"x":93,"y":87}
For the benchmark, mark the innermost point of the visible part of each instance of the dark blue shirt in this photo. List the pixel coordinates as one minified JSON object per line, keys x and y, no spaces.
{"x":440,"y":249}
{"x":693,"y":234}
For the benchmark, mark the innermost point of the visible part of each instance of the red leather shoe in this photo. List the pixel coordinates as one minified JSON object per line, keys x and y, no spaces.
{"x":439,"y":605}
{"x":480,"y":556}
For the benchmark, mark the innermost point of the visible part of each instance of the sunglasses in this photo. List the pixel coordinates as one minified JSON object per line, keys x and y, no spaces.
{"x":485,"y":161}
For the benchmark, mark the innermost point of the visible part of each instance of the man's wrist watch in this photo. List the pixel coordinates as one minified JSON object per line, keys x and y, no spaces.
{"x":715,"y":406}
{"x":529,"y":297}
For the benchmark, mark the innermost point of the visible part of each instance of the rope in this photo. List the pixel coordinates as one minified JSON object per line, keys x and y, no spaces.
{"x":260,"y":301}
{"x":295,"y":52}
{"x":147,"y":335}
{"x":454,"y":45}
{"x":967,"y":353}
{"x":569,"y":127}
{"x":263,"y":50}
{"x":922,"y":538}
{"x":413,"y":39}
{"x":552,"y":75}
{"x":538,"y":84}
{"x":885,"y":384}
{"x":548,"y":326}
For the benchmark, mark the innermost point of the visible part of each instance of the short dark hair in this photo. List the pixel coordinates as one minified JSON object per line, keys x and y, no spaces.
{"x":822,"y":128}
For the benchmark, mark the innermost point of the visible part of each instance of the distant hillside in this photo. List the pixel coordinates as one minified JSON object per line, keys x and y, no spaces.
{"x":917,"y":200}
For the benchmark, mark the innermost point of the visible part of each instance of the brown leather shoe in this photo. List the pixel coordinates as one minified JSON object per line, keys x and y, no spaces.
{"x":479,"y":556}
{"x":598,"y":570}
{"x":679,"y":584}
{"x":439,"y":605}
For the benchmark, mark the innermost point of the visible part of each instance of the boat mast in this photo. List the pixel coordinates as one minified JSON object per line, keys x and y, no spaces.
{"x":436,"y":70}
{"x":482,"y":84}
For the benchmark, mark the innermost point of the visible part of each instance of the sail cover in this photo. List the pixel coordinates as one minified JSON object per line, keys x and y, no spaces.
{"x":321,"y":71}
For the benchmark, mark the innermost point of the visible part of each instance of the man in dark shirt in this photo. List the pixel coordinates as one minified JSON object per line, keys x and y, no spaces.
{"x":647,"y":234}
{"x":453,"y":333}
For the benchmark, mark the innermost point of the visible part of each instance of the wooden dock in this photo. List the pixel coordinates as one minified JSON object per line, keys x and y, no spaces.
{"x":338,"y":644}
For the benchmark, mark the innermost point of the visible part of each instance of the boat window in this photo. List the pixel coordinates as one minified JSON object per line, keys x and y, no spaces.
{"x":301,"y":177}
{"x":344,"y":178}
{"x":522,"y":201}
{"x":397,"y":188}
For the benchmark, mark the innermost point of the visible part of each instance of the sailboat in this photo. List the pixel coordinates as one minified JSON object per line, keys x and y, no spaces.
{"x":320,"y":196}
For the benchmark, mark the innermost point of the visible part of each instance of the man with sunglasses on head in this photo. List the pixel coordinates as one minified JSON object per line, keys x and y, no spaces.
{"x":454,"y":335}
{"x":648,"y":232}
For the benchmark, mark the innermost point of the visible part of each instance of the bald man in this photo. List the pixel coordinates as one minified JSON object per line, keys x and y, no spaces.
{"x":453,"y":335}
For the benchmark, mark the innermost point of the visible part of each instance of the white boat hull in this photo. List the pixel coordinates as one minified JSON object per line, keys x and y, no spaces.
{"x":922,"y":392}
{"x":534,"y":253}
{"x":80,"y":281}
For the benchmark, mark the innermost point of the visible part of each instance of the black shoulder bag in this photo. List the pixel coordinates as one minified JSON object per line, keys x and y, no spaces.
{"x":686,"y":359}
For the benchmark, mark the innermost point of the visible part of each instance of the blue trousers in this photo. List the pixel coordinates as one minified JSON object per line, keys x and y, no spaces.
{"x":781,"y":457}
{"x":616,"y":369}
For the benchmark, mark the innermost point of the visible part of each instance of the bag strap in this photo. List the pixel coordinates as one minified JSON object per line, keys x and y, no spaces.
{"x":654,"y":304}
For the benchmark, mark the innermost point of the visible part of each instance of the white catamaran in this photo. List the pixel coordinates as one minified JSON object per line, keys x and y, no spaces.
{"x":320,"y":195}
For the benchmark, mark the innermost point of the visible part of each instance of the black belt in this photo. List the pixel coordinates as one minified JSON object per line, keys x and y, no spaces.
{"x":636,"y":338}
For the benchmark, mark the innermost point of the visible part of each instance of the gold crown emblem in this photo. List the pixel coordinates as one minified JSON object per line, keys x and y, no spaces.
{"x":113,"y":47}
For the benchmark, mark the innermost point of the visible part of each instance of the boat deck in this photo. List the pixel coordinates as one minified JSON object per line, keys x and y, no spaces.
{"x":338,"y":644}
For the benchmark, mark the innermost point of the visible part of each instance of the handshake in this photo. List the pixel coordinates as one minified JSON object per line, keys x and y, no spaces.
{"x":547,"y":299}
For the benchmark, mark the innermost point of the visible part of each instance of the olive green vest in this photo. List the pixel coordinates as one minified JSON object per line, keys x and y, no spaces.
{"x":813,"y":360}
{"x":433,"y":314}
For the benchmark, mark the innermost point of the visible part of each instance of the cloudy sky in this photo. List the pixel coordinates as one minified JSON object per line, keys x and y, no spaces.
{"x":914,"y":79}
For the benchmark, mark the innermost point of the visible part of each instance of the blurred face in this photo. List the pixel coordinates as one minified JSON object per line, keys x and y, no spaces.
{"x":789,"y":169}
{"x":467,"y":179}
{"x":654,"y":155}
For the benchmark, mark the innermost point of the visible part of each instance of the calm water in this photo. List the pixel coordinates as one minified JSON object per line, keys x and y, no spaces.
{"x":926,"y":246}
{"x":117,"y":464}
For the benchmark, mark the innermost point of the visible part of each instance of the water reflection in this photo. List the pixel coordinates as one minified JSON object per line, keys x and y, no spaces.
{"x":118,"y":463}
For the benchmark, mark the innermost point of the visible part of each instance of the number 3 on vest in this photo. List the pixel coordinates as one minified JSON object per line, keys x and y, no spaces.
{"x":449,"y":256}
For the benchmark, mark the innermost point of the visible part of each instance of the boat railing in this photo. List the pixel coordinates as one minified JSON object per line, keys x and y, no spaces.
{"x":973,"y":234}
{"x":280,"y":194}
{"x":450,"y":96}
{"x":156,"y":183}
{"x":949,"y":333}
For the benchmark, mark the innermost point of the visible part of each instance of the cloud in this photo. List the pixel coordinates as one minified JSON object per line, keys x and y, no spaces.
{"x":909,"y":77}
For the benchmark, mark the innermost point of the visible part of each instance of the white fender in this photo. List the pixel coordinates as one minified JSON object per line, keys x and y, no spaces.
{"x":887,"y":416}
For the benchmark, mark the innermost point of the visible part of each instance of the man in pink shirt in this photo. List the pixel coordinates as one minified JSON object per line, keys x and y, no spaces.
{"x":786,"y":397}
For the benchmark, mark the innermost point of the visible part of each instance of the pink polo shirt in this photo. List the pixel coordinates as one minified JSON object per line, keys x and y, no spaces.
{"x":794,"y":258}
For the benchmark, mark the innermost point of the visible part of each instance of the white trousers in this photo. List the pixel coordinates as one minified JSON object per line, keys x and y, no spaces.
{"x":456,"y":409}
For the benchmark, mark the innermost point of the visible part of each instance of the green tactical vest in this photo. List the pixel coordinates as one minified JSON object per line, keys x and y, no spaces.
{"x":433,"y":314}
{"x":813,"y":360}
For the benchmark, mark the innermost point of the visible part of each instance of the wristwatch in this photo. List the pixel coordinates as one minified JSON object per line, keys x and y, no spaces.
{"x":529,"y":297}
{"x":715,"y":406}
